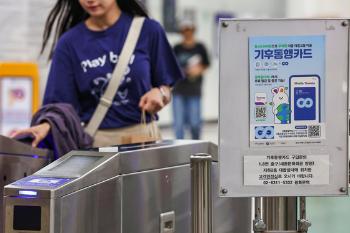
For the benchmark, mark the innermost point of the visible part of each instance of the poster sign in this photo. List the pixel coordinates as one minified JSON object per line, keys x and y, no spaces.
{"x":16,"y":104}
{"x":287,"y":89}
{"x":287,"y":169}
{"x":284,"y":107}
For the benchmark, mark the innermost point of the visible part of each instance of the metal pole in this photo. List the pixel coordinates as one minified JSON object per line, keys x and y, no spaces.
{"x":280,"y":213}
{"x":258,"y":207}
{"x":201,"y":193}
{"x":258,"y":223}
{"x":303,"y":223}
{"x":302,"y":208}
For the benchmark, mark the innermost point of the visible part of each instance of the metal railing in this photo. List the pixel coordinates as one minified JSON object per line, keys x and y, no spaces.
{"x":201,"y":193}
{"x":279,"y":215}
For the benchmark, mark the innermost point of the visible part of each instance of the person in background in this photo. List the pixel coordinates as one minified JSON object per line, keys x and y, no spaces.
{"x":193,"y":58}
{"x":88,"y":36}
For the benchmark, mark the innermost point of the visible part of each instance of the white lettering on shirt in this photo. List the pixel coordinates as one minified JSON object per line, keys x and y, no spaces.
{"x":113,"y":57}
{"x":98,"y":62}
{"x":101,"y":62}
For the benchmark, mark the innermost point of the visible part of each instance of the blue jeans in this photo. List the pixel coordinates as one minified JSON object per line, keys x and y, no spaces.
{"x":187,"y":112}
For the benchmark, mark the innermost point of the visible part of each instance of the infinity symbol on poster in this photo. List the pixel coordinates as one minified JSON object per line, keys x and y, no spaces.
{"x":305,"y":103}
{"x":264,"y":132}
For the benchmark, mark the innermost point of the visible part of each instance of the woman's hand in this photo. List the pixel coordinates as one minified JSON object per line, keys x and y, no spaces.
{"x":39,"y":132}
{"x":154,"y":100}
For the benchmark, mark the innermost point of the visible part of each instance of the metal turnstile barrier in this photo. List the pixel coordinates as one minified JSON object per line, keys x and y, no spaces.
{"x":18,"y":160}
{"x":138,"y":189}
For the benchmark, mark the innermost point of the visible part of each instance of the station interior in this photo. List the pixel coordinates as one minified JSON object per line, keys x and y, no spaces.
{"x":169,"y":184}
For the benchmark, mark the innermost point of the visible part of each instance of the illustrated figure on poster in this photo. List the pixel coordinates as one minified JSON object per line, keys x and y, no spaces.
{"x":16,"y":95}
{"x":280,"y":106}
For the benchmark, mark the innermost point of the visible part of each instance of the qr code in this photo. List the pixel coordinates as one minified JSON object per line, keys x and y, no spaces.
{"x":260,"y":112}
{"x":314,"y":131}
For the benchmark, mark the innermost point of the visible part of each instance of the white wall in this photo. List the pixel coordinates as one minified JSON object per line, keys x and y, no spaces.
{"x":19,"y":32}
{"x":318,"y":8}
{"x":21,"y":28}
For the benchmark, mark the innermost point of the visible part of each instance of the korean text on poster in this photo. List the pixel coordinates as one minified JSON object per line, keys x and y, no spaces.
{"x":294,"y":169}
{"x":287,"y":76}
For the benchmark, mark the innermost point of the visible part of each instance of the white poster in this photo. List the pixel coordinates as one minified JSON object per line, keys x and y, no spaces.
{"x":281,"y":170}
{"x":16,"y":104}
{"x":287,"y":92}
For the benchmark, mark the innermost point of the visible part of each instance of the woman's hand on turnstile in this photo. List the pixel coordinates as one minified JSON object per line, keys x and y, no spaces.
{"x":39,"y":132}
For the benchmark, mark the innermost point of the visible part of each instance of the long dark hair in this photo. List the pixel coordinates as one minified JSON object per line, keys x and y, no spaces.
{"x":68,"y":13}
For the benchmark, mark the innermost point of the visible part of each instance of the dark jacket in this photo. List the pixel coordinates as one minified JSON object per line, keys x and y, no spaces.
{"x":66,"y":131}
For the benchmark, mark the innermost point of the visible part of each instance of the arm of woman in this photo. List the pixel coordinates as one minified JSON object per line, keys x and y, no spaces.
{"x":61,"y":85}
{"x":155,"y":99}
{"x":165,"y":70}
{"x":38,"y":132}
{"x":60,"y":88}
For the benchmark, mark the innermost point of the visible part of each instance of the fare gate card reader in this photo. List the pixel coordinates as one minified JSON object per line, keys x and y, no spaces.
{"x":18,"y":159}
{"x":32,"y":196}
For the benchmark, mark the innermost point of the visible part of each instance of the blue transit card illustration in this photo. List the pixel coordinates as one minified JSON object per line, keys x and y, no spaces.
{"x":304,"y":103}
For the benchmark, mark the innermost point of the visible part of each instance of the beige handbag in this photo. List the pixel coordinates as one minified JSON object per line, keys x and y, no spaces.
{"x":148,"y":132}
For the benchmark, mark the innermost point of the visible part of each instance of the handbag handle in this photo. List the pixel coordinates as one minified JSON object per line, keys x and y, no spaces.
{"x":153,"y":131}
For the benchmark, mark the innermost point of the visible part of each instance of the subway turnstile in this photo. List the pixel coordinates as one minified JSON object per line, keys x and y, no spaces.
{"x":18,"y":160}
{"x":139,"y":189}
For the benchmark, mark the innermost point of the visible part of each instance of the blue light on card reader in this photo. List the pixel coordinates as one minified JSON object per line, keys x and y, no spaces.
{"x":28,"y":193}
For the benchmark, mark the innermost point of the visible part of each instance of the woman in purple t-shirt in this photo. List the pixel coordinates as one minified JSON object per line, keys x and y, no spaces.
{"x":88,"y":38}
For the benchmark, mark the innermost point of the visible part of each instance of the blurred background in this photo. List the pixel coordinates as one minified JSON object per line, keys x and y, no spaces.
{"x":22,"y":23}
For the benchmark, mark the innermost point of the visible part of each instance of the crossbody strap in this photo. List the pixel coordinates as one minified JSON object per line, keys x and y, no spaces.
{"x":107,"y":99}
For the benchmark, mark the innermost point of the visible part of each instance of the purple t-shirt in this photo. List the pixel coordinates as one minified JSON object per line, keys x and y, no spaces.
{"x":84,"y":60}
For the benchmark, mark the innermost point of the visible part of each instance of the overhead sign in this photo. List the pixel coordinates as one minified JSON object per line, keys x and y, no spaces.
{"x":284,"y":107}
